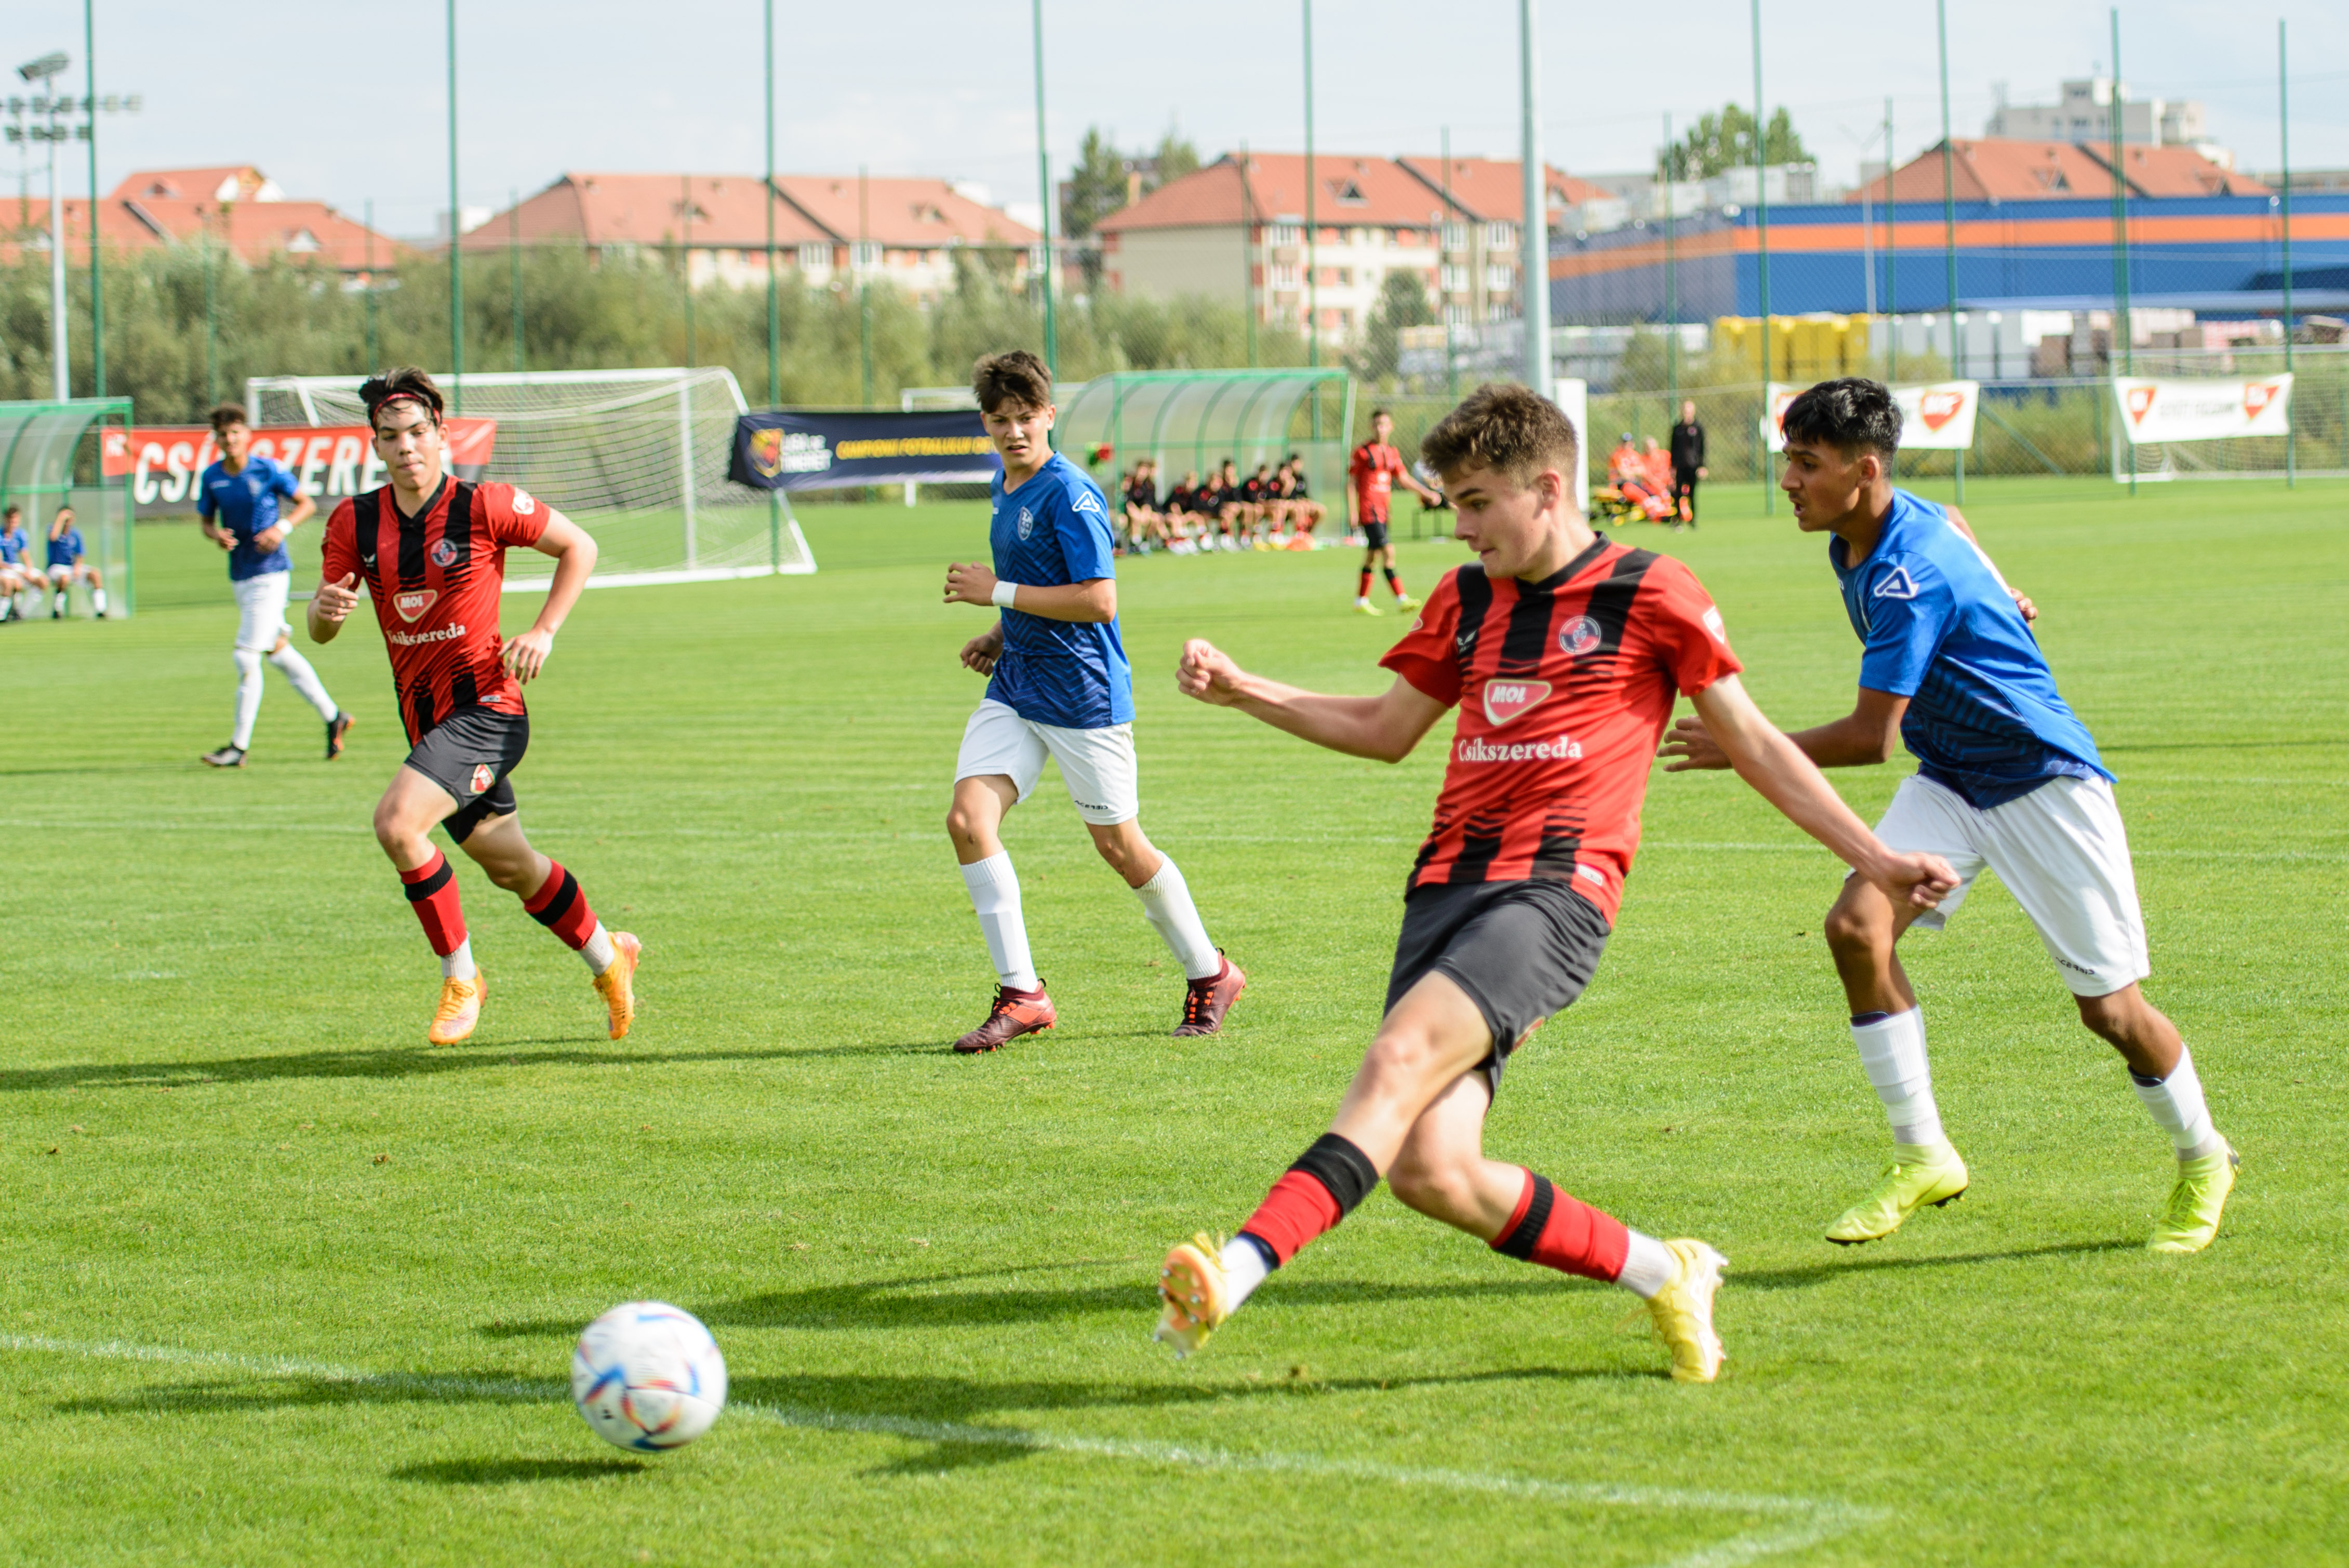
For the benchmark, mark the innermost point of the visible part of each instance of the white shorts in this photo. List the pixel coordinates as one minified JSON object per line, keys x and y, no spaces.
{"x":261,"y":610}
{"x":2060,"y":850}
{"x":1097,"y":765}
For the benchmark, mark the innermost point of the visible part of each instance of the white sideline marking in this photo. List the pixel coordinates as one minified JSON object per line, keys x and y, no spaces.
{"x":1807,"y":1523}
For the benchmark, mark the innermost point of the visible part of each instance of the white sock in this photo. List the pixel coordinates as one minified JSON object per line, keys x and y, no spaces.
{"x":1648,"y":1268}
{"x":97,"y":600}
{"x":1245,"y":1268}
{"x":1893,"y":1052}
{"x":297,"y":669}
{"x":248,"y":698}
{"x":1166,"y":904}
{"x":598,"y":950}
{"x":994,"y":894}
{"x":459,"y":965}
{"x":2177,"y":1104}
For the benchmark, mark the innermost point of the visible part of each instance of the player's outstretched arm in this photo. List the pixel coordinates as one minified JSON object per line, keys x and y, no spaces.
{"x":573,"y":550}
{"x":1384,"y":728}
{"x":1861,"y":738}
{"x":1781,"y":775}
{"x":1093,"y":600}
{"x":331,"y":606}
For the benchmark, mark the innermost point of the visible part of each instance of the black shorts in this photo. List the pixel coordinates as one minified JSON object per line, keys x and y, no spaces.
{"x":471,"y":754}
{"x":1375,"y":534}
{"x":1521,"y":950}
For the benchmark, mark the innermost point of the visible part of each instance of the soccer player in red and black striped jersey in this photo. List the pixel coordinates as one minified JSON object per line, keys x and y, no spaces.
{"x":1564,"y":653}
{"x":429,"y":548}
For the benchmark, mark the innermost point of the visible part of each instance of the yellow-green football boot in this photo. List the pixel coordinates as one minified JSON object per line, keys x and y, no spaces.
{"x":2196,"y":1200}
{"x":1918,"y":1175}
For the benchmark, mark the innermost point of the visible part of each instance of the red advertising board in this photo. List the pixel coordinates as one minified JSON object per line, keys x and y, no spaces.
{"x":331,"y":460}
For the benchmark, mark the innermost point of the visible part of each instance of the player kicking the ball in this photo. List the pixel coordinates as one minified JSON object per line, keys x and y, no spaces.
{"x":1564,"y":653}
{"x":431,"y":550}
{"x":2007,"y":777}
{"x":1058,"y":687}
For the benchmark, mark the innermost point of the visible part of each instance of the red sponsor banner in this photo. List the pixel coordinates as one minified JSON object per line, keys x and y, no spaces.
{"x":164,"y":461}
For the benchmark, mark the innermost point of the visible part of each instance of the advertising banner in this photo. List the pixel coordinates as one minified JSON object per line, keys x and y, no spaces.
{"x":331,"y":460}
{"x":2203,"y":410}
{"x":796,"y":449}
{"x":1938,"y":417}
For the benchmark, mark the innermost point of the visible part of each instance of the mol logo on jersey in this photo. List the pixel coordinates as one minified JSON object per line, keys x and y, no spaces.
{"x":413,"y":602}
{"x":1505,"y":700}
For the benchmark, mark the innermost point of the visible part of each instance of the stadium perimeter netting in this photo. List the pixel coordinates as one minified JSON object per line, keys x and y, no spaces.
{"x":637,"y":457}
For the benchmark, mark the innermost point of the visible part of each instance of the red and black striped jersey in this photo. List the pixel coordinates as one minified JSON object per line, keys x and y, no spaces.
{"x":1564,"y":688}
{"x":436,"y":578}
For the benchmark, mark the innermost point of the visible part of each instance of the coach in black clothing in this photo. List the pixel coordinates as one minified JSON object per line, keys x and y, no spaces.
{"x":1687,"y":461}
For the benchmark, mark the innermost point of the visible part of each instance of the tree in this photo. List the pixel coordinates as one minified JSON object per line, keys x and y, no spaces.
{"x":1096,"y":186}
{"x":1175,"y":158}
{"x":1718,"y":143}
{"x":1403,"y":302}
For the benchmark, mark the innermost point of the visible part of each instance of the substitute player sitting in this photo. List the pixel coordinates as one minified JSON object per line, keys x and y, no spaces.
{"x":1564,"y":652}
{"x":70,"y":565}
{"x":243,"y":492}
{"x":2008,"y":778}
{"x":430,"y":550}
{"x":1371,"y":474}
{"x":18,"y":572}
{"x":1627,"y":470}
{"x":1058,"y":686}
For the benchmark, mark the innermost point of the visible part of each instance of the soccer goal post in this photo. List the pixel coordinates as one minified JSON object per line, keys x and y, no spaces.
{"x":637,"y":457}
{"x":2205,"y":428}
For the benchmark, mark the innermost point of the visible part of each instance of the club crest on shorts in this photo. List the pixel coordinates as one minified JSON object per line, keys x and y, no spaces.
{"x":413,"y":601}
{"x":443,"y":553}
{"x":483,"y":776}
{"x":1579,"y":636}
{"x":1505,"y":700}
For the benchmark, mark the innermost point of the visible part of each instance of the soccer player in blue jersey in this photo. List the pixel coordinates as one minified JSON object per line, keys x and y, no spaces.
{"x":1058,"y":687}
{"x":238,"y":503}
{"x":18,"y":572}
{"x":2007,"y":777}
{"x":68,"y":564}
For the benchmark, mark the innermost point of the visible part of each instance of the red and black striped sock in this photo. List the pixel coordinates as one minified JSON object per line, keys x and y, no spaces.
{"x":561,"y":908}
{"x":1559,"y":1232}
{"x":1362,"y":589}
{"x":1322,"y":1187}
{"x":432,"y":893}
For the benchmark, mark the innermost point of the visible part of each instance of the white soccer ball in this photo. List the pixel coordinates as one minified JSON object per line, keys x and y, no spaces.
{"x":648,"y":1377}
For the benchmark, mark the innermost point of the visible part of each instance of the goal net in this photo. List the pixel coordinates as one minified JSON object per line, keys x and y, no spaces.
{"x":637,"y":457}
{"x":2209,"y":427}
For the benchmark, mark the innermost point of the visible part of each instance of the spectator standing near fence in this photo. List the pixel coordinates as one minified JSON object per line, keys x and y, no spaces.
{"x":1687,"y":461}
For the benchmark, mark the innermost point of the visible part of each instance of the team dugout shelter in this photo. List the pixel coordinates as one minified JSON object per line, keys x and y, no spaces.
{"x":52,"y":456}
{"x":1191,"y":420}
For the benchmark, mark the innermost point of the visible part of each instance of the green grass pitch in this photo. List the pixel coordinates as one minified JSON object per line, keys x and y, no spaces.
{"x":280,"y":1284}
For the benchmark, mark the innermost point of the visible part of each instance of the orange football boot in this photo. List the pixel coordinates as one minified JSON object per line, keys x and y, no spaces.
{"x":617,"y":982}
{"x":460,"y":1010}
{"x":1014,"y":1014}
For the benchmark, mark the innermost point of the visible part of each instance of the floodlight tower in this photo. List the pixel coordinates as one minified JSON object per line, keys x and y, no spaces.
{"x":41,"y":74}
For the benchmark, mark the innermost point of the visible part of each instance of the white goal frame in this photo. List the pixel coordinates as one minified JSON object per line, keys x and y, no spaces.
{"x":691,"y":477}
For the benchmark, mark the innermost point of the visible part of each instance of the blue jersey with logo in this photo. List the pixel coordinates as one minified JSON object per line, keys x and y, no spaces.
{"x":66,"y":548}
{"x":245,"y":503}
{"x":12,"y":547}
{"x":1071,"y":674}
{"x":1941,"y":630}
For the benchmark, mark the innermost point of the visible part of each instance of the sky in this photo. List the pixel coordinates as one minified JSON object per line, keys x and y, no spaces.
{"x":347,"y":103}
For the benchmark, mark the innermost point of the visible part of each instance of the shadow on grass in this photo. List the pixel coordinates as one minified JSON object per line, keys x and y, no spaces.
{"x":1817,"y":1273}
{"x":505,"y":1472}
{"x":401,"y":1061}
{"x":916,"y":1303}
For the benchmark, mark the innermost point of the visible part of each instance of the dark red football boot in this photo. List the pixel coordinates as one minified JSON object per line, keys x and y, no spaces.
{"x":1015,"y":1013}
{"x":1206,"y":1001}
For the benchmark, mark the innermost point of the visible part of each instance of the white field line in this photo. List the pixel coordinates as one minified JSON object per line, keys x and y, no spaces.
{"x":1802,"y":1522}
